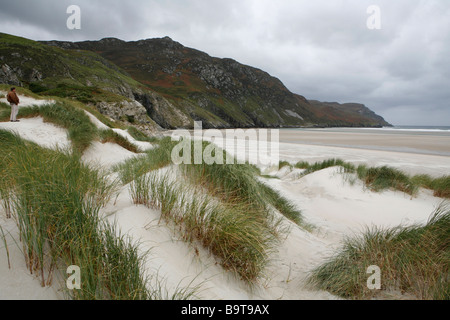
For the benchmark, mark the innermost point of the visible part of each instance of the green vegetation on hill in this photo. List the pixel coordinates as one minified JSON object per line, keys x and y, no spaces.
{"x":45,"y":67}
{"x":79,"y":75}
{"x":176,"y":85}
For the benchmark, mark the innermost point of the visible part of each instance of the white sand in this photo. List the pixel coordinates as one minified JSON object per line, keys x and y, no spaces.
{"x":36,"y":130}
{"x":142,"y":145}
{"x":17,"y":283}
{"x":106,"y":155}
{"x":337,"y":204}
{"x":110,"y":154}
{"x":96,"y":122}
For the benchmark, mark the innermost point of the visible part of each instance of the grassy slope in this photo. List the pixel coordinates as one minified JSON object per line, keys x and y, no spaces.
{"x":64,"y":68}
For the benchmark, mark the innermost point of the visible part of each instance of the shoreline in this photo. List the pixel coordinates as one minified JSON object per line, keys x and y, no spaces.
{"x":408,"y":162}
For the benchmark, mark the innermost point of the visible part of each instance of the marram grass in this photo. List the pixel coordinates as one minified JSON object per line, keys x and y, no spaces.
{"x":55,"y":200}
{"x":109,"y":135}
{"x":153,"y":159}
{"x":414,"y":262}
{"x":383,"y":178}
{"x":237,"y":235}
{"x":240,"y":183}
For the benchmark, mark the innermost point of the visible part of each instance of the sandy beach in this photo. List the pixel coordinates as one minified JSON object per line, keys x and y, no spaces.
{"x":432,"y":142}
{"x":337,"y":204}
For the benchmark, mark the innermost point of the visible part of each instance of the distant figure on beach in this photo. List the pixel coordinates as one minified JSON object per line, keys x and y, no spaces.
{"x":13,"y":99}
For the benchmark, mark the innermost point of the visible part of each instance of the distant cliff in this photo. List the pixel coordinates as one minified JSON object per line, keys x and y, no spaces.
{"x":347,"y":115}
{"x":175,"y":84}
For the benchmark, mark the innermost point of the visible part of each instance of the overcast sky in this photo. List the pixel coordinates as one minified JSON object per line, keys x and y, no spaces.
{"x":321,"y":49}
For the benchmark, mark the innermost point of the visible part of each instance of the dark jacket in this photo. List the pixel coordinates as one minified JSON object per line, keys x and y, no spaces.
{"x":13,"y":98}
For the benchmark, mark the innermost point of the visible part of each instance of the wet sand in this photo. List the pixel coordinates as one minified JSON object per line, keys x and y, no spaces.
{"x":421,"y":142}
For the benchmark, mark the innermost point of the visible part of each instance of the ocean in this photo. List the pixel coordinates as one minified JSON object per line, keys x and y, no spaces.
{"x":426,"y":128}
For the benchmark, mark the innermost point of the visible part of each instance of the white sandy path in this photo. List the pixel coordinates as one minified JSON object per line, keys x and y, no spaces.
{"x":106,"y":155}
{"x":36,"y":130}
{"x":141,"y":144}
{"x":25,"y":101}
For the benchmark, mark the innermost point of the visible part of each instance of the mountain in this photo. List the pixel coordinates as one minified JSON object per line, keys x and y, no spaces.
{"x":175,"y":84}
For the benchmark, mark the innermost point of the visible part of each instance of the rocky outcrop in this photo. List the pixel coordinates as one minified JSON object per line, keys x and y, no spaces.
{"x":162,"y":111}
{"x":130,"y":111}
{"x":9,"y":76}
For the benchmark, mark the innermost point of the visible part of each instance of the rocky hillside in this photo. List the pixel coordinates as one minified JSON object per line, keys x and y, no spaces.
{"x":346,"y":115}
{"x":175,"y":84}
{"x":84,"y":76}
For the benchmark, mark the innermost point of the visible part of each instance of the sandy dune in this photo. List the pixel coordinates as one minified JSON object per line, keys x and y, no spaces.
{"x":337,"y":204}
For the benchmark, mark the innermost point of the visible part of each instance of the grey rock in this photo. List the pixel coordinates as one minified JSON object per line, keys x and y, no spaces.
{"x":7,"y":75}
{"x":164,"y":113}
{"x":131,"y":111}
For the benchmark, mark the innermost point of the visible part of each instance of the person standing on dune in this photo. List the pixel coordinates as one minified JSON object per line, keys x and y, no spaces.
{"x":13,"y":99}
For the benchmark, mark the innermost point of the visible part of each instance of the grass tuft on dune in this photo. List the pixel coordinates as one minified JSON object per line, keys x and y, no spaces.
{"x":414,"y":261}
{"x":383,"y":178}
